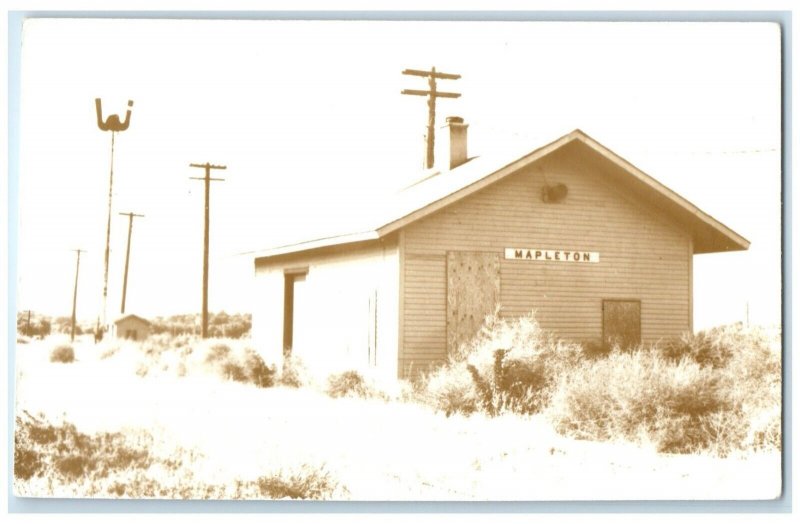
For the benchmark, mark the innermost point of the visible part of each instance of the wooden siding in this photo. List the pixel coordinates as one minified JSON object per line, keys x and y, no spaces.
{"x":346,"y":309}
{"x":643,"y":255}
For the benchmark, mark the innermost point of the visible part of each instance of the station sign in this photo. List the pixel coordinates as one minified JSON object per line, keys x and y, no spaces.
{"x":552,"y":255}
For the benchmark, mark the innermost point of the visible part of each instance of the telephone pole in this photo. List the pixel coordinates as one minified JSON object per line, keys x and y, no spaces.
{"x":432,"y":95}
{"x":75,"y":292}
{"x":130,"y":216}
{"x":207,"y":179}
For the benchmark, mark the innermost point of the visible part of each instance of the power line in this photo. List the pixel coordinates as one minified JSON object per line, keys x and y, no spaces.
{"x":207,"y":179}
{"x":432,"y":93}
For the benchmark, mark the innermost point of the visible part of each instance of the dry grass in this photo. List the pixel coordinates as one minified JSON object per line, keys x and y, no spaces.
{"x":59,"y":460}
{"x":212,"y":437}
{"x":185,"y":355}
{"x":717,"y":391}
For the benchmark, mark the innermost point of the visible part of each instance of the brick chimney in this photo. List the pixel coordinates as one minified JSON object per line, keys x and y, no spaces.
{"x":452,"y":144}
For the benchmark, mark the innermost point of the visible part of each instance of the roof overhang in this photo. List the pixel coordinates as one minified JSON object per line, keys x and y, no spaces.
{"x":708,"y":234}
{"x":315,"y":244}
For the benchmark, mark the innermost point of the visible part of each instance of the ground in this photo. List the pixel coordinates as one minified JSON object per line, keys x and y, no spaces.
{"x":374,"y":449}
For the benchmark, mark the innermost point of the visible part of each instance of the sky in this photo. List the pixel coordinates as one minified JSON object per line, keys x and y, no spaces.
{"x":309,"y":120}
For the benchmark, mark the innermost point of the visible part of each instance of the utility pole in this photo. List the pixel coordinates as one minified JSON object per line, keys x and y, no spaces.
{"x":75,"y":292}
{"x":115,"y":125}
{"x":207,"y":179}
{"x":432,"y":95}
{"x":130,"y":216}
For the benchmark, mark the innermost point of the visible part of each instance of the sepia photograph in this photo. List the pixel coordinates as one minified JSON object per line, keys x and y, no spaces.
{"x":364,"y":260}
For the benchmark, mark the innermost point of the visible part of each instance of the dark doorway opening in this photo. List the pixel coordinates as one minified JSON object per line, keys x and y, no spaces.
{"x":622,"y":323}
{"x":290,"y":278}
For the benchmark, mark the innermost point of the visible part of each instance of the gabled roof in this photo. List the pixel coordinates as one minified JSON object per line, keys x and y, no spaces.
{"x":126,"y":317}
{"x":436,"y":192}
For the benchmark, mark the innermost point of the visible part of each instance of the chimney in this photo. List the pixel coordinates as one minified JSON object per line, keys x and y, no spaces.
{"x":452,"y":150}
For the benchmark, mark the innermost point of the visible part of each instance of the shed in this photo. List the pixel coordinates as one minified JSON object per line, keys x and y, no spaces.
{"x":132,"y":327}
{"x":598,"y":249}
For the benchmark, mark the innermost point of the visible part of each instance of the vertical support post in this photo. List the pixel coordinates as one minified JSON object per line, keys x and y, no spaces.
{"x":75,"y":293}
{"x":108,"y":232}
{"x":127,"y":262}
{"x":431,"y":119}
{"x":114,"y":124}
{"x":205,"y":255}
{"x":432,"y":93}
{"x":207,"y":180}
{"x":130,"y":216}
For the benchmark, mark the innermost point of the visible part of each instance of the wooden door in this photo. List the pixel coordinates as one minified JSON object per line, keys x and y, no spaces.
{"x":622,"y":323}
{"x":473,"y":291}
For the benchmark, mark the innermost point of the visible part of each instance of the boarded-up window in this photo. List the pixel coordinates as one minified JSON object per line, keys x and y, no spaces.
{"x":473,"y":291}
{"x":622,"y":323}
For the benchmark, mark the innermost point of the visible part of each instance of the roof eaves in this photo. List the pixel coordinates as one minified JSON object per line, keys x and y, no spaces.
{"x":315,"y":244}
{"x":739,"y":241}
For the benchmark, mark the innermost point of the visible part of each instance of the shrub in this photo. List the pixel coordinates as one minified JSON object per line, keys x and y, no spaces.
{"x":217,"y":353}
{"x":258,"y":372}
{"x":348,"y":383}
{"x":109,"y":352}
{"x":309,"y":483}
{"x":512,"y":365}
{"x":294,"y":374}
{"x":63,"y":354}
{"x":707,"y":348}
{"x":451,"y":389}
{"x":680,"y":406}
{"x":44,"y":450}
{"x":27,"y":462}
{"x":242,"y":365}
{"x":351,"y":383}
{"x":59,"y":460}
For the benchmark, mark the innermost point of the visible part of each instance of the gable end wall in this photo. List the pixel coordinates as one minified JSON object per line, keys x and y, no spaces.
{"x":644,"y":255}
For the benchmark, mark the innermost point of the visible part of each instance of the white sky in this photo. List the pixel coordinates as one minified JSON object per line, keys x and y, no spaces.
{"x":308,"y":117}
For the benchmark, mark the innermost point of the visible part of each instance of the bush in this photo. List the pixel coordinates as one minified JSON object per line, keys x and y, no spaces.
{"x":256,"y":370}
{"x":707,"y":348}
{"x":309,"y":484}
{"x":451,"y":389}
{"x":512,"y":365}
{"x":294,"y":374}
{"x":351,"y":383}
{"x":63,"y":454}
{"x":244,"y":365}
{"x":680,"y":406}
{"x":59,"y":460}
{"x":63,"y":354}
{"x":346,"y":383}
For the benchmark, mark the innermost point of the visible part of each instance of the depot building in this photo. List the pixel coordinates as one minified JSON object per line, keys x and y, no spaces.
{"x":597,"y":249}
